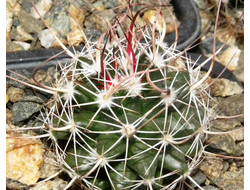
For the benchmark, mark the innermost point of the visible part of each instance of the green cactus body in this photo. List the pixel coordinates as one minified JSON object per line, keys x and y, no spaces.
{"x":123,"y":139}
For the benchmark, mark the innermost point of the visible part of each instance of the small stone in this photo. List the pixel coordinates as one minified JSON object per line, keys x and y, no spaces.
{"x":61,"y":23}
{"x":14,"y":184}
{"x":8,"y":116}
{"x":24,"y":157}
{"x":212,"y":167}
{"x":102,"y":19}
{"x":199,"y":178}
{"x":22,"y":35}
{"x":46,"y":38}
{"x":43,"y":6}
{"x":239,"y":72}
{"x":25,"y":108}
{"x":150,"y":17}
{"x":201,"y":4}
{"x":233,"y":167}
{"x":29,"y":23}
{"x":206,"y":18}
{"x":240,"y":163}
{"x":52,"y":73}
{"x":7,"y":98}
{"x":232,"y":106}
{"x":14,"y":47}
{"x":225,"y":124}
{"x":238,"y":135}
{"x":230,"y":57}
{"x":231,"y":180}
{"x":49,"y":167}
{"x":92,"y":33}
{"x":24,"y":45}
{"x":224,"y":87}
{"x":21,"y":72}
{"x":14,"y":6}
{"x":239,"y":149}
{"x":225,"y":166}
{"x":41,"y":76}
{"x":223,"y":144}
{"x":77,"y":16}
{"x":9,"y":18}
{"x":15,"y":94}
{"x":75,"y":37}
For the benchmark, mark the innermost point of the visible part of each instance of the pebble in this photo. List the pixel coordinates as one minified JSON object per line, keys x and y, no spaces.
{"x":8,"y":116}
{"x":14,"y":6}
{"x":224,"y":87}
{"x":29,"y":23}
{"x":42,"y":6}
{"x":76,"y":15}
{"x":239,"y":135}
{"x":14,"y":184}
{"x":14,"y":47}
{"x":50,"y":166}
{"x":239,"y":72}
{"x":43,"y":77}
{"x":231,"y":180}
{"x":61,"y":23}
{"x":24,"y":157}
{"x":46,"y":38}
{"x":224,"y":124}
{"x":230,"y":57}
{"x":15,"y":94}
{"x":75,"y":37}
{"x":223,"y":144}
{"x":199,"y":178}
{"x":239,"y":149}
{"x":24,"y":45}
{"x":21,"y":72}
{"x":232,"y":106}
{"x":9,"y":18}
{"x":212,"y":167}
{"x":25,"y":108}
{"x":22,"y":35}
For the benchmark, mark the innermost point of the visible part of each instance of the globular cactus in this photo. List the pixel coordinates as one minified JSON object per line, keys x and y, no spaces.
{"x":127,"y":113}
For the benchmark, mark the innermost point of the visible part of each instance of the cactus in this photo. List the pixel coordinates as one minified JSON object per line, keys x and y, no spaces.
{"x":127,"y":113}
